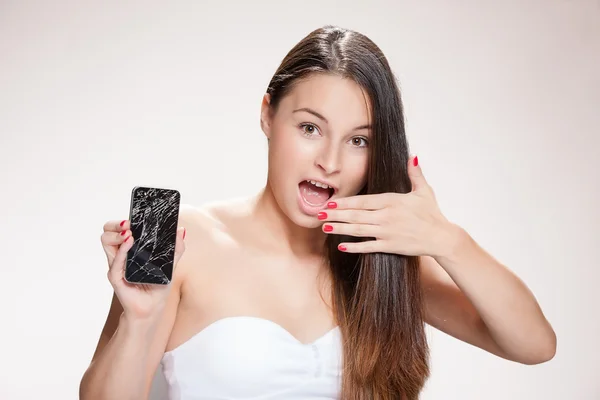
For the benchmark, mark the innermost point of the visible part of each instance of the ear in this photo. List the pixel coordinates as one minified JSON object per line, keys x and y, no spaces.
{"x":265,"y":115}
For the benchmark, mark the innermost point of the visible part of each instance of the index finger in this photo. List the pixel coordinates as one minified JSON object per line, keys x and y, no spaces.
{"x":116,"y":226}
{"x":361,"y":202}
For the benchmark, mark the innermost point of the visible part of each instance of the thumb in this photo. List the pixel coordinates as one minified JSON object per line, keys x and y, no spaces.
{"x":115,"y":272}
{"x":416,"y":174}
{"x":179,"y":244}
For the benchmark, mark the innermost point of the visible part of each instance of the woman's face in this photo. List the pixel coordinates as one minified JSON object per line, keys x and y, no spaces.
{"x":318,"y":137}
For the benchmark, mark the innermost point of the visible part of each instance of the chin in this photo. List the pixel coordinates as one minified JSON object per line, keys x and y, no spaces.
{"x":305,"y":221}
{"x":298,"y":216}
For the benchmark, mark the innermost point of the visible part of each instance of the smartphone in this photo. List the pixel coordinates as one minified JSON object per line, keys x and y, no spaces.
{"x":154,"y":216}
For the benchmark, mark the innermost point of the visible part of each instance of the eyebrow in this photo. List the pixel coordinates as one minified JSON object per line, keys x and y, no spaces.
{"x":321,"y":117}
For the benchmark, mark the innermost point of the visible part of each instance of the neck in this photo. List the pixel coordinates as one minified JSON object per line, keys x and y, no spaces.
{"x":283,"y":234}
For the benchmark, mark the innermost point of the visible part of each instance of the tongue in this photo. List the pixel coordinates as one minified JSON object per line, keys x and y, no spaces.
{"x":312,"y":194}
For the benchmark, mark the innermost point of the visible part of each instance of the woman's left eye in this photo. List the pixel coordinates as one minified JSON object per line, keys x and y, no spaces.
{"x":359,"y":141}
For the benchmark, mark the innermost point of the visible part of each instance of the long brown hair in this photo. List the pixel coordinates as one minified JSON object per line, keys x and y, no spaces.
{"x":376,"y":297}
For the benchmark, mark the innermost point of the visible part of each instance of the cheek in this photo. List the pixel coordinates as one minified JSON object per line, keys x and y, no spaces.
{"x":278,"y":146}
{"x":288,"y":149}
{"x":286,"y":155}
{"x":355,"y":173}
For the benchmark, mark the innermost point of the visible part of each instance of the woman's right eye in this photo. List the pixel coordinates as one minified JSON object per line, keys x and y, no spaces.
{"x":308,"y":129}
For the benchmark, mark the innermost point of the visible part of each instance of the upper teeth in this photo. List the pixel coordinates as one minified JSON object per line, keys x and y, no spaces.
{"x":319,"y":184}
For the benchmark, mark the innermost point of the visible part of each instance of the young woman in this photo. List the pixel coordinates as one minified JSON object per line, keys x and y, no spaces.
{"x":319,"y":286}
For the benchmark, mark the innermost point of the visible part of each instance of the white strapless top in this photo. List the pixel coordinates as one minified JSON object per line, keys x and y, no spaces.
{"x":251,"y":358}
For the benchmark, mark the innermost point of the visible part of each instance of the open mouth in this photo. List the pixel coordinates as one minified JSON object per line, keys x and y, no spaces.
{"x":315,"y":193}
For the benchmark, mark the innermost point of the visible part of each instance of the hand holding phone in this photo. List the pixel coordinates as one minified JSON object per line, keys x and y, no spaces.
{"x":143,"y":251}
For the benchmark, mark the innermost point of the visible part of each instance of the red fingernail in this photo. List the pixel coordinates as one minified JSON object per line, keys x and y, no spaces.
{"x":184,"y":233}
{"x":341,"y":247}
{"x":328,"y":228}
{"x":126,"y":239}
{"x":122,"y":223}
{"x":123,"y":232}
{"x":416,"y":161}
{"x":322,"y":215}
{"x":332,"y":204}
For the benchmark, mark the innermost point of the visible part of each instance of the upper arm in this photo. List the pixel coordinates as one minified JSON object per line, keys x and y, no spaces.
{"x":448,"y":309}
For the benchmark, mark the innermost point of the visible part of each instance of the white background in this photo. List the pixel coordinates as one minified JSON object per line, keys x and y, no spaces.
{"x":502,"y":104}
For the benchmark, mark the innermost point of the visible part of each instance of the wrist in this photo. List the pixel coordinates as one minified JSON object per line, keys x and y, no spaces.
{"x":136,"y":325}
{"x":449,"y":241}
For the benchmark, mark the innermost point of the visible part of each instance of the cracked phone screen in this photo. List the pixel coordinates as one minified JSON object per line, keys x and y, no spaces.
{"x":154,"y":216}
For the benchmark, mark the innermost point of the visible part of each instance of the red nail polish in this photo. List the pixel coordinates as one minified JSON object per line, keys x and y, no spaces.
{"x":416,"y":161}
{"x":322,"y":215}
{"x":123,"y":232}
{"x":184,"y":233}
{"x":122,"y":223}
{"x":332,"y":204}
{"x":126,"y":239}
{"x":341,"y":247}
{"x":328,"y":228}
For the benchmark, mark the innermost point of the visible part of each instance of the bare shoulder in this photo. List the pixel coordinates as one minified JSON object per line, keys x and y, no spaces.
{"x":213,"y":225}
{"x":216,"y":235}
{"x":212,"y":248}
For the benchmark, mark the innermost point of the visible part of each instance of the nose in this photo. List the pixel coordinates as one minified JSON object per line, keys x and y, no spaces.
{"x":329,"y":159}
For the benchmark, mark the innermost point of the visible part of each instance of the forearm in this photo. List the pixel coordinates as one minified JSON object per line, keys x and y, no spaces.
{"x":505,"y":305}
{"x":119,"y":371}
